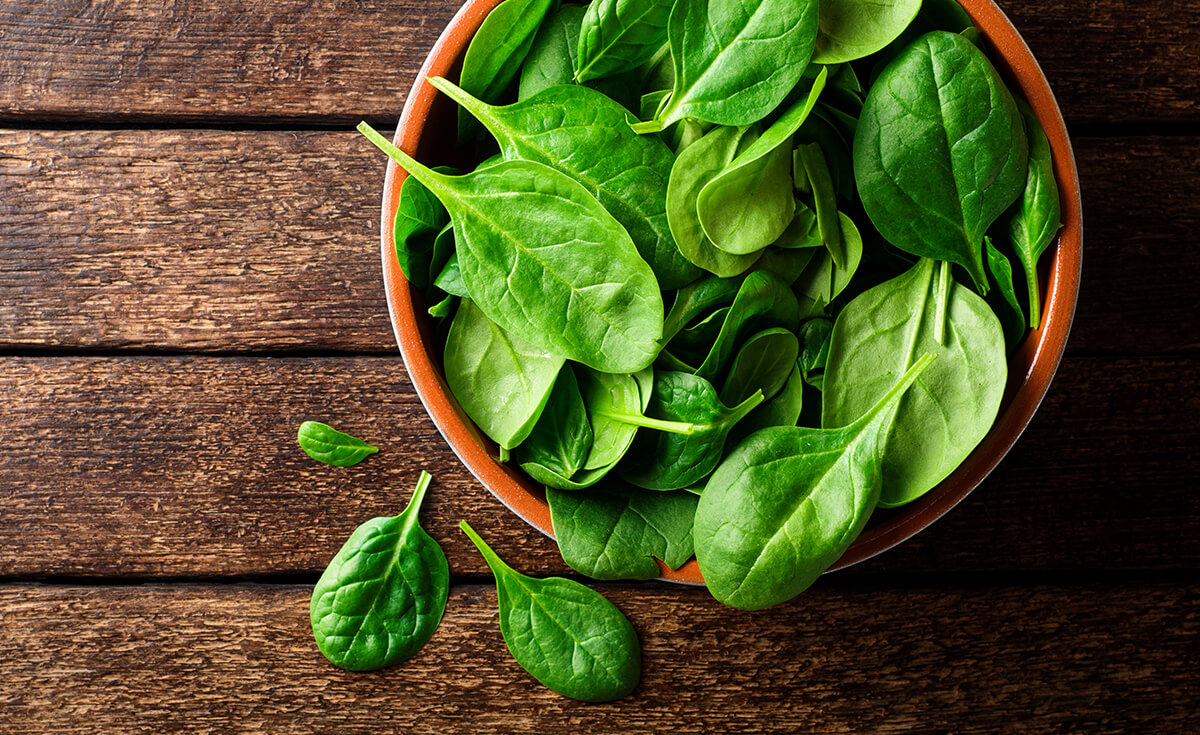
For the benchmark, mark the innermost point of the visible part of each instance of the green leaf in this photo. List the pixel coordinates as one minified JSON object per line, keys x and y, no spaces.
{"x":522,"y":231}
{"x":499,"y":379}
{"x":940,"y":151}
{"x":419,"y":219}
{"x":613,"y":531}
{"x":620,"y":35}
{"x":583,"y":134}
{"x":782,"y":410}
{"x":820,"y":182}
{"x":565,"y":635}
{"x":1036,"y":216}
{"x":814,"y":336}
{"x":551,"y":59}
{"x":330,"y":446}
{"x":383,"y":595}
{"x":1003,"y":295}
{"x":763,"y":301}
{"x":788,"y":502}
{"x":562,"y":438}
{"x":822,"y":280}
{"x":763,"y":365}
{"x":736,"y":60}
{"x":853,"y":29}
{"x":879,"y":335}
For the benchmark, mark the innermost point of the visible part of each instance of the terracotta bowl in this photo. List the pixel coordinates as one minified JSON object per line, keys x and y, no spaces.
{"x":425,"y":131}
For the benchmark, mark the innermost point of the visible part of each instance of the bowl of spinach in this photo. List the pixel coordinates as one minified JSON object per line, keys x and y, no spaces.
{"x":714,"y":308}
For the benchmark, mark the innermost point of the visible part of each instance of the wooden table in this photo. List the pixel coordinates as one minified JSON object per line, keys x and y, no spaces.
{"x":189,"y":268}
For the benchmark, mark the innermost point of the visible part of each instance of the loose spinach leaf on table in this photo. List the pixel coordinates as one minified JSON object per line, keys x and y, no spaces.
{"x":614,"y":531}
{"x":879,"y":335}
{"x":789,"y":501}
{"x":853,"y":29}
{"x":620,"y":35}
{"x":330,"y":446}
{"x":383,"y":595}
{"x":565,"y":635}
{"x":499,"y":379}
{"x":735,"y":60}
{"x":520,"y":257}
{"x":583,"y":134}
{"x":940,"y":151}
{"x":1036,"y":216}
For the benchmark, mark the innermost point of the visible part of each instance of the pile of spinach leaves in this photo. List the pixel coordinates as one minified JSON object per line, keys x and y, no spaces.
{"x":726,"y":275}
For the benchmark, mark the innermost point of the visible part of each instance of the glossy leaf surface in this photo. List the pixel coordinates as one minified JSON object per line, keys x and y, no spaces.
{"x":854,"y":29}
{"x":1037,"y":215}
{"x":330,"y":446}
{"x":620,"y":35}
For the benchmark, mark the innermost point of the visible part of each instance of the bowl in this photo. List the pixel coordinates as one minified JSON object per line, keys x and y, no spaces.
{"x":425,"y":131}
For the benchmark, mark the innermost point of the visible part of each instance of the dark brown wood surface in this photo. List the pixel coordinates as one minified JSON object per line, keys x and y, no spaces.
{"x":189,"y":267}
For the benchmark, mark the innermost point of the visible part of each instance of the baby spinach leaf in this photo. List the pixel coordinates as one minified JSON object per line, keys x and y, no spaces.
{"x":940,"y":151}
{"x":814,"y":336}
{"x":614,"y":531}
{"x":524,"y":231}
{"x":782,"y":410}
{"x":786,"y":263}
{"x":499,"y":379}
{"x":419,"y":219}
{"x":1035,"y":218}
{"x":825,"y":202}
{"x":383,"y":595}
{"x":802,"y":232}
{"x":695,"y":299}
{"x":878,"y":336}
{"x":853,"y":29}
{"x":562,"y":438}
{"x":763,"y":364}
{"x":551,"y":59}
{"x":735,"y":60}
{"x":1003,"y":296}
{"x":330,"y":446}
{"x":498,"y":50}
{"x":620,"y":35}
{"x":671,"y":461}
{"x":450,"y":279}
{"x":749,"y":204}
{"x":788,"y":502}
{"x":565,"y":635}
{"x":697,"y":165}
{"x":763,"y":301}
{"x":583,"y":134}
{"x":822,"y":280}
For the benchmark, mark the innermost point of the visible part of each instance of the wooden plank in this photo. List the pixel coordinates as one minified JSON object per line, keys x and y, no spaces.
{"x":289,"y":60}
{"x":218,"y":240}
{"x":155,"y":659}
{"x":188,"y":467}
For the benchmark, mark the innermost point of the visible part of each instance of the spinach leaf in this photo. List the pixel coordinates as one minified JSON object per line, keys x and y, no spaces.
{"x":695,"y":299}
{"x":786,"y":263}
{"x":620,"y":35}
{"x":788,"y":501}
{"x":763,"y":301}
{"x":814,"y":336}
{"x":499,"y":379}
{"x":671,"y":461}
{"x":749,"y":204}
{"x":562,"y":438}
{"x":383,"y":595}
{"x":802,"y":232}
{"x":822,"y":280}
{"x":940,"y":151}
{"x":853,"y":29}
{"x":419,"y":219}
{"x":498,"y":50}
{"x":763,"y":364}
{"x":697,"y":165}
{"x":551,"y":59}
{"x":1003,"y":295}
{"x":1035,"y":217}
{"x":782,"y":410}
{"x":450,"y":279}
{"x":523,"y":230}
{"x":877,"y":337}
{"x":330,"y":446}
{"x":565,"y":635}
{"x":820,"y":182}
{"x":583,"y":134}
{"x":735,"y":60}
{"x":614,"y":531}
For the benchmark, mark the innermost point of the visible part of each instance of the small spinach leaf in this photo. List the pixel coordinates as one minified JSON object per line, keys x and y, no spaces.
{"x":419,"y":219}
{"x":562,"y":438}
{"x":763,"y":364}
{"x":551,"y":59}
{"x":1036,"y":216}
{"x":1003,"y":296}
{"x":782,"y":410}
{"x":763,"y":301}
{"x":822,"y":280}
{"x":383,"y":595}
{"x":330,"y":446}
{"x":620,"y":35}
{"x":565,"y":635}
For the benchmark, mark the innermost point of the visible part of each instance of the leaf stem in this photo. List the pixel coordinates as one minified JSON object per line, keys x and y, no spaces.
{"x":745,"y":407}
{"x":413,"y":509}
{"x":1035,"y":297}
{"x":943,"y":303}
{"x":494,"y":562}
{"x":427,"y":176}
{"x":910,"y":377}
{"x":671,"y":427}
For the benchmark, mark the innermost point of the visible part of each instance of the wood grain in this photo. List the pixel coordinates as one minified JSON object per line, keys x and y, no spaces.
{"x":243,"y":241}
{"x":152,"y":659}
{"x":188,"y":467}
{"x":332,"y":61}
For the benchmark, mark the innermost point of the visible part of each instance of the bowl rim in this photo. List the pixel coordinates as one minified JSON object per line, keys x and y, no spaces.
{"x":1037,"y":358}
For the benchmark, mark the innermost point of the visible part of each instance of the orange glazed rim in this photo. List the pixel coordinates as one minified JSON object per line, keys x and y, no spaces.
{"x":1035,"y":361}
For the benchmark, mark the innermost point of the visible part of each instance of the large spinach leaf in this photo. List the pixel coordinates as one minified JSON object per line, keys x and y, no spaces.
{"x":565,"y":635}
{"x":614,"y":531}
{"x":543,"y":259}
{"x":583,"y":134}
{"x":879,"y":335}
{"x":940,"y":151}
{"x":1036,"y":216}
{"x":620,"y":35}
{"x":788,"y":501}
{"x":383,"y":595}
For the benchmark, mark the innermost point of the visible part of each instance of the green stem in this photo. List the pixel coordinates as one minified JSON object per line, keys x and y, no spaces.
{"x":479,"y":109}
{"x":495,"y":563}
{"x":745,"y":407}
{"x":650,"y":126}
{"x":943,"y":303}
{"x":418,"y":497}
{"x":904,"y":383}
{"x":1035,"y":298}
{"x":671,"y":427}
{"x":427,"y":176}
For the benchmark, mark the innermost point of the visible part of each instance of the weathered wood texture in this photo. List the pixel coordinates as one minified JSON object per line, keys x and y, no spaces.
{"x":188,"y":467}
{"x":216,"y":240}
{"x":333,"y":61}
{"x":153,"y":659}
